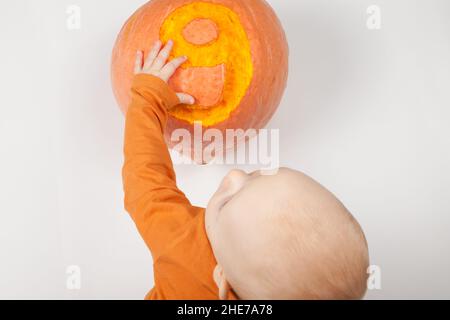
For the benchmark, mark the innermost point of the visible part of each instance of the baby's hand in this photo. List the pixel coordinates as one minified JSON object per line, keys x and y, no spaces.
{"x":156,"y":65}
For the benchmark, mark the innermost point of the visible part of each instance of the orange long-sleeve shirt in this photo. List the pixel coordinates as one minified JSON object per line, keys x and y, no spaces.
{"x":172,"y":228}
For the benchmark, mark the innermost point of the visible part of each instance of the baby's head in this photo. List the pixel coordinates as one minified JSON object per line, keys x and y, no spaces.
{"x":284,"y":236}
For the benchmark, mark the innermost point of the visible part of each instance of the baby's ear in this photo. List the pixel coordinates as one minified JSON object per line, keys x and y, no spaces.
{"x":221,"y":282}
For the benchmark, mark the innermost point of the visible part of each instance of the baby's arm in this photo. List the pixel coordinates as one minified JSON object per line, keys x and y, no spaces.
{"x":152,"y":198}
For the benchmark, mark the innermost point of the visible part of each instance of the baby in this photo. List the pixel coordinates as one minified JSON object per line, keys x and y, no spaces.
{"x":280,"y":236}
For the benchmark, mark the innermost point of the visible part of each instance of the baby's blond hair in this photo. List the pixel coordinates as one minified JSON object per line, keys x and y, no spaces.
{"x":315,"y":249}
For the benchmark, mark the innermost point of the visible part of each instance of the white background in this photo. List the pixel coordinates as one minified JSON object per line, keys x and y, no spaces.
{"x":366,"y":113}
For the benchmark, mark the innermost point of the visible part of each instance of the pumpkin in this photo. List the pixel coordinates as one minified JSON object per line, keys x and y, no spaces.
{"x":238,"y":60}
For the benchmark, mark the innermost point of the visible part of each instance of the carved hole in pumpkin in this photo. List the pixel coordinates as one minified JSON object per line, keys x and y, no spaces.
{"x":219,"y":72}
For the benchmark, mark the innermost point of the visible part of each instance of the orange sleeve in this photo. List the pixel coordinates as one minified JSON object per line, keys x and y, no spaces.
{"x":157,"y":206}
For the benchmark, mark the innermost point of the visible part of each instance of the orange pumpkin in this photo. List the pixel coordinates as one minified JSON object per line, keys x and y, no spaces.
{"x":238,"y":60}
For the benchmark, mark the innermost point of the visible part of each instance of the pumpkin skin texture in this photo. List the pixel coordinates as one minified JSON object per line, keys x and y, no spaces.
{"x":238,"y":60}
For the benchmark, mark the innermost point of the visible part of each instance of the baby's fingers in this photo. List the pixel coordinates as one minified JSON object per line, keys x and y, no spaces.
{"x":162,"y":57}
{"x":169,"y":69}
{"x":138,"y":63}
{"x":185,"y":98}
{"x":152,"y":55}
